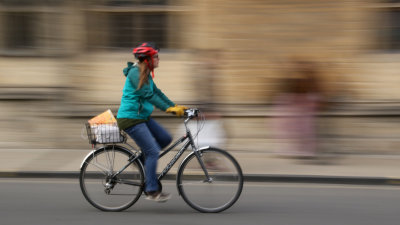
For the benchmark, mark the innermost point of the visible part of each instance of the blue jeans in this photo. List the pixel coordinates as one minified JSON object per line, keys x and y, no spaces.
{"x":151,"y":138}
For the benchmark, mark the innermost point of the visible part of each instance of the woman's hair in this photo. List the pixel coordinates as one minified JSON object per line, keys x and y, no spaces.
{"x":145,"y":53}
{"x":143,"y":74}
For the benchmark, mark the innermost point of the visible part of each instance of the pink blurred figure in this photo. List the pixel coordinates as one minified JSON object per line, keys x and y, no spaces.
{"x":296,"y":107}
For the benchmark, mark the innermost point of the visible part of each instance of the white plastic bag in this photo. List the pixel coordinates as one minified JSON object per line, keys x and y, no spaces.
{"x":107,"y":133}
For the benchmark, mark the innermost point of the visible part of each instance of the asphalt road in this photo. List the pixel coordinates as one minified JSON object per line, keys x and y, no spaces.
{"x":58,"y":202}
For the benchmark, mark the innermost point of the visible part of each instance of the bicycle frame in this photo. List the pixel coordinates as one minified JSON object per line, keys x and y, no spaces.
{"x":190,"y":141}
{"x":111,"y":164}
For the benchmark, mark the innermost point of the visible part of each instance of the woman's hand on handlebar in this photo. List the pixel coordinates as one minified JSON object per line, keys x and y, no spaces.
{"x":181,"y":106}
{"x":177,"y":110}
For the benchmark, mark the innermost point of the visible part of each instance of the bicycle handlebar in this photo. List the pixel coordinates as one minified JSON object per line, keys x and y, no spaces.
{"x":191,"y":113}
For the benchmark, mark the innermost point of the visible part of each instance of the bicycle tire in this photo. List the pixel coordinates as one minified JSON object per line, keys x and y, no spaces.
{"x":104,"y":193}
{"x":205,"y":196}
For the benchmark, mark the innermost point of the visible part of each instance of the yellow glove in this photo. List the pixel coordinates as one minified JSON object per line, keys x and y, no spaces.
{"x":181,"y":106}
{"x":178,"y":111}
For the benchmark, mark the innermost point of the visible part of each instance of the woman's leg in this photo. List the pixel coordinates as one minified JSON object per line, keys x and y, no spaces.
{"x":141,"y":134}
{"x":160,"y":134}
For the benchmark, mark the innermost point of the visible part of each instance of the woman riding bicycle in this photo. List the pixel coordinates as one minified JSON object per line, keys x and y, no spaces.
{"x":140,"y":95}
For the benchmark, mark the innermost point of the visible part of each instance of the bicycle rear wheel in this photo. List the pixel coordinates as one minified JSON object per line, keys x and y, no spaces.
{"x":218,"y":193}
{"x":104,"y":191}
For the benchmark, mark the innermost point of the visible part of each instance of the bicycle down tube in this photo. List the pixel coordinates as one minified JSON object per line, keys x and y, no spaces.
{"x":180,"y":152}
{"x":170,"y":164}
{"x":176,"y":157}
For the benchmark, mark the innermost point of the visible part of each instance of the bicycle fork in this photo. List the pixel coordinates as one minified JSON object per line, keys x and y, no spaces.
{"x":199,"y":158}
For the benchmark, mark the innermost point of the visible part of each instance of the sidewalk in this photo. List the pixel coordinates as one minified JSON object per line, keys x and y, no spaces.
{"x":350,"y":169}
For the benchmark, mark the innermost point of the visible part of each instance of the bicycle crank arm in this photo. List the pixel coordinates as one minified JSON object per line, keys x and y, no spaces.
{"x":129,"y":182}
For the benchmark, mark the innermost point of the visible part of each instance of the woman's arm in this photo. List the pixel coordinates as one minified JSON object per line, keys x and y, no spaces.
{"x":151,"y":93}
{"x":162,"y":95}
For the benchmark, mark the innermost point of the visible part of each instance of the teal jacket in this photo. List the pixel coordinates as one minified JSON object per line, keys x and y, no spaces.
{"x":139,"y":104}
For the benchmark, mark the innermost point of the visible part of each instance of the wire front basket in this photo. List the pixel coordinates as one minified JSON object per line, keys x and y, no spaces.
{"x":104,"y":133}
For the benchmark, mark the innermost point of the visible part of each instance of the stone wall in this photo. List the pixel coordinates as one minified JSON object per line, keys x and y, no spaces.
{"x":231,"y":54}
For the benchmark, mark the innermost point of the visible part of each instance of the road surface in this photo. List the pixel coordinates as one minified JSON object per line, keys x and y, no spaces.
{"x":60,"y":201}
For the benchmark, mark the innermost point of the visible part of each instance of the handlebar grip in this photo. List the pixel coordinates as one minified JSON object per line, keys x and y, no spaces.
{"x":191,"y":113}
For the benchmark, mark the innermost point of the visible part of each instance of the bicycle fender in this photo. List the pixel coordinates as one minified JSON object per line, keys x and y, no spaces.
{"x":202,"y":148}
{"x":86,"y":157}
{"x":205,"y":147}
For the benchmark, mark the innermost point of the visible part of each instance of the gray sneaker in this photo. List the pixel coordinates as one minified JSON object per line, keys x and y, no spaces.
{"x":158,"y":197}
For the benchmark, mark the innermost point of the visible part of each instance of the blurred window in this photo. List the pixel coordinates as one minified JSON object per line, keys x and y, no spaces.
{"x":389,"y":28}
{"x":63,"y":27}
{"x":19,"y":32}
{"x":127,"y":29}
{"x":137,"y":2}
{"x":121,"y":24}
{"x":30,"y":2}
{"x":393,"y":29}
{"x":31,"y":27}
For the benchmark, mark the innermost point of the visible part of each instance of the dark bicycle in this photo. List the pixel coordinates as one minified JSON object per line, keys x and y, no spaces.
{"x":208,"y":179}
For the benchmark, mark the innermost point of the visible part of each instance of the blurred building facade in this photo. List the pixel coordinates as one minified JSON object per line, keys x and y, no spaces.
{"x":61,"y":63}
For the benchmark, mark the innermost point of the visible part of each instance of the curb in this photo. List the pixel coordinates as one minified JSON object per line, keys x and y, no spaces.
{"x":40,"y":174}
{"x":247,"y":178}
{"x":323,"y":179}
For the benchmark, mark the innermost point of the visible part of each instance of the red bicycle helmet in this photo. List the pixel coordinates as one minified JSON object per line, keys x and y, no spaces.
{"x":146,"y":51}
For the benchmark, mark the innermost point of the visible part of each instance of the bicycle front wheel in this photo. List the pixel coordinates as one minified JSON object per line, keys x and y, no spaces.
{"x":104,"y":190}
{"x":217,"y":192}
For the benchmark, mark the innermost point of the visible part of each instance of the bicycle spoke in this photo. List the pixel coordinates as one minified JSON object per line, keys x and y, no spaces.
{"x":102,"y":168}
{"x":104,"y":191}
{"x":193,"y":183}
{"x":217,"y":193}
{"x":109,"y":161}
{"x":100,"y":162}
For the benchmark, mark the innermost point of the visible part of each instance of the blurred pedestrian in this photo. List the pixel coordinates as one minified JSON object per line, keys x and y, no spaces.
{"x":296,"y":106}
